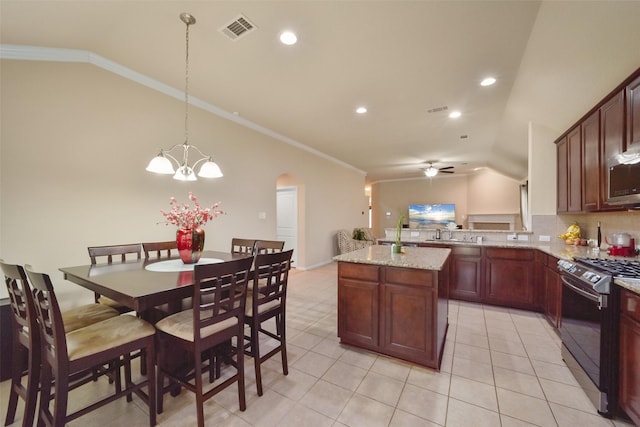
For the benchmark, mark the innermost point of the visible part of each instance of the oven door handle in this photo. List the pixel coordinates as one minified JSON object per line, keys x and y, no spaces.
{"x":601,"y":300}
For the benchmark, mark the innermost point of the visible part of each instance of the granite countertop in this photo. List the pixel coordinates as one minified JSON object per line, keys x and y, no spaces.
{"x":631,"y":284}
{"x":422,"y":258}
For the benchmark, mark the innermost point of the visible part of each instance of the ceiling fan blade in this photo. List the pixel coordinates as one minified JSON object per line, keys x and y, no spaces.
{"x":443,"y":171}
{"x":446,"y":167}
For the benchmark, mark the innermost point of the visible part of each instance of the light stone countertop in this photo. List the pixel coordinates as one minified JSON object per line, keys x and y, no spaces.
{"x":631,"y":284}
{"x":422,"y":258}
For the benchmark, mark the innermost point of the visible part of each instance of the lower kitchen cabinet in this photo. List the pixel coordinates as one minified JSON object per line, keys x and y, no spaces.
{"x":552,"y":291}
{"x":629,"y":355}
{"x":510,"y":278}
{"x":466,"y":273}
{"x":399,"y":312}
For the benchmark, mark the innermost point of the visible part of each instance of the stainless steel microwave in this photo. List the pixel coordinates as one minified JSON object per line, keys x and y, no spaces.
{"x":624,"y":179}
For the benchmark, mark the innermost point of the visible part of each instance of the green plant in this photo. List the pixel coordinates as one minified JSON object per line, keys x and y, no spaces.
{"x":399,"y":229}
{"x":358,"y":234}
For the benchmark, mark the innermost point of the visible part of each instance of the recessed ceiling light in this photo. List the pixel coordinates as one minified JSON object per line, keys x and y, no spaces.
{"x":361,"y":110}
{"x":488,"y":81}
{"x":454,"y":114}
{"x":288,"y":38}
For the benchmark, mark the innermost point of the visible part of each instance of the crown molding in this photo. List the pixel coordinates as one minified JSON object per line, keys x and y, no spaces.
{"x":49,"y":54}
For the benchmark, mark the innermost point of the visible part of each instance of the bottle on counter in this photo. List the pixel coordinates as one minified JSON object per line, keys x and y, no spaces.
{"x":599,"y":242}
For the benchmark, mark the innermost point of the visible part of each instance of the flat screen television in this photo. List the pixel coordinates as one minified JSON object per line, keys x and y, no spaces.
{"x":426,"y":216}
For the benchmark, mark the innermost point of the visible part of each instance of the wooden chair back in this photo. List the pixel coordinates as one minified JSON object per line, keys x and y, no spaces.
{"x":219,"y":293}
{"x":120,"y":253}
{"x":270,"y":282}
{"x":159,"y":249}
{"x":269,"y":246}
{"x":243,"y":246}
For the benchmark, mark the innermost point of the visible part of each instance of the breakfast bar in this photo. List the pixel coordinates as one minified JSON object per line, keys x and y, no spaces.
{"x":395,"y":304}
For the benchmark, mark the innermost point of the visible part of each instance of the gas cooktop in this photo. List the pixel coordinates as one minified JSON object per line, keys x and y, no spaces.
{"x":615,"y":267}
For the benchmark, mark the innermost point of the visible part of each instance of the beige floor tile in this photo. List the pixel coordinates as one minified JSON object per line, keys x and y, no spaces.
{"x":512,"y":362}
{"x":430,"y":379}
{"x":525,"y":408}
{"x":405,"y":419}
{"x":300,"y":415}
{"x":477,"y":354}
{"x":295,"y":385}
{"x":326,"y":398}
{"x":381,"y":388}
{"x":519,"y":382}
{"x":463,"y":414}
{"x":392,"y":368}
{"x":474,"y":392}
{"x":306,"y":340}
{"x":507,"y":346}
{"x":513,"y":422}
{"x":472,"y":370}
{"x":424,"y":404}
{"x":345,"y":375}
{"x":554,"y":372}
{"x":329,"y":347}
{"x":472,"y":339}
{"x":357,"y":357}
{"x":364,"y":412}
{"x":569,"y":417}
{"x":313,"y":363}
{"x":567,"y":395}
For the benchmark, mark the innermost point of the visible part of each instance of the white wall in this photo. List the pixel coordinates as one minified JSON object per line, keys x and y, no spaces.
{"x":75,"y":141}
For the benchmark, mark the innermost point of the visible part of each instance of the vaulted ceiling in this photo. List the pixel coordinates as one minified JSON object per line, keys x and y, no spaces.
{"x":409,"y":62}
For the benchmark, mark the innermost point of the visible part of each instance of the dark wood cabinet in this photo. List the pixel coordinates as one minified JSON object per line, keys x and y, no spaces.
{"x":633,"y":114}
{"x":574,"y":161}
{"x":358,"y":299}
{"x":611,"y":141}
{"x":552,"y":291}
{"x":562,"y":158}
{"x":400,"y":312}
{"x":466,"y":273}
{"x":590,"y":129}
{"x":629,"y":377}
{"x":510,"y":278}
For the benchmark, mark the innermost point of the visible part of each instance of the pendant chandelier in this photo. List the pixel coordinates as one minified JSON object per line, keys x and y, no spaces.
{"x":163,"y":163}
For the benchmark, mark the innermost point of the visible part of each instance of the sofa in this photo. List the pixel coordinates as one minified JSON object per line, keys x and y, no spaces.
{"x":346,"y":242}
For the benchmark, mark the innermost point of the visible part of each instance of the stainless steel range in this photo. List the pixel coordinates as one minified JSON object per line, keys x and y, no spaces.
{"x":589,"y":325}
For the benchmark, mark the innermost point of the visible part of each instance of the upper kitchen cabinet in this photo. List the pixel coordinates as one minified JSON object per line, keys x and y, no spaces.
{"x":591,"y":162}
{"x":570,"y":172}
{"x":633,"y":114}
{"x":611,"y":140}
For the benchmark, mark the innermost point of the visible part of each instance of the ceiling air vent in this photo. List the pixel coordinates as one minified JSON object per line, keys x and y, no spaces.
{"x":437,"y":109}
{"x":239,"y":27}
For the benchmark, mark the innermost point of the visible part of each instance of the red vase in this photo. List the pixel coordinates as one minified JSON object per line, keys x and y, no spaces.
{"x":190,"y":244}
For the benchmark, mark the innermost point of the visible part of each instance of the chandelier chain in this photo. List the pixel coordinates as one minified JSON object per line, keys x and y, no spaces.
{"x":186,"y":88}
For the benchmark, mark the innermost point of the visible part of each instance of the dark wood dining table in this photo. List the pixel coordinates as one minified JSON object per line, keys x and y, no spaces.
{"x":133,"y":286}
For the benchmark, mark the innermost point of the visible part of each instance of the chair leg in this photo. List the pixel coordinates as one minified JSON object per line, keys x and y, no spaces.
{"x":61,"y":388}
{"x":126,"y":361}
{"x":255,"y":349}
{"x":45,"y":395}
{"x":240,"y":369}
{"x":159,"y":383}
{"x":16,"y":383}
{"x":283,"y":344}
{"x":33,"y":383}
{"x":199,"y":393}
{"x":151,"y":381}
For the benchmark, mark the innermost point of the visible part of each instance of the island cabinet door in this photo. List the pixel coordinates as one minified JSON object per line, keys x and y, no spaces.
{"x":509,"y":278}
{"x":408,"y":312}
{"x":358,"y":304}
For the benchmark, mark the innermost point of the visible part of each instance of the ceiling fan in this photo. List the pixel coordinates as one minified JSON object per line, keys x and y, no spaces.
{"x":431,"y":171}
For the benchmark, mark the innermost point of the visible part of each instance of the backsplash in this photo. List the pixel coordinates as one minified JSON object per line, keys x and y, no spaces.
{"x":610,"y":222}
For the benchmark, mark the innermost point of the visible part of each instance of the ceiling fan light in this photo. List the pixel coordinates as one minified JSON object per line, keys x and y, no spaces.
{"x":431,"y":172}
{"x":210,"y":170}
{"x":160,"y":164}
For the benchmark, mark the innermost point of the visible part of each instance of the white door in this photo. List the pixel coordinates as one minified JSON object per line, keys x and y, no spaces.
{"x":287,"y":218}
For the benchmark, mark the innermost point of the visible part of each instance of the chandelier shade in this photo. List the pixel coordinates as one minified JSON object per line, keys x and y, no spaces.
{"x":164,"y":162}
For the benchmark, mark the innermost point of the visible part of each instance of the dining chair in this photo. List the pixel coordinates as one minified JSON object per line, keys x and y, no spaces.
{"x":24,"y":340}
{"x":159,"y":250}
{"x":269,"y":246}
{"x":242,"y":246}
{"x":69,"y":359}
{"x":267,"y":300}
{"x":217,"y":316}
{"x":114,"y":254}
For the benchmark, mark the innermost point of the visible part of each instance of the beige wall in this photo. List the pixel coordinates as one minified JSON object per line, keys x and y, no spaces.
{"x":75,"y":140}
{"x":480,"y":193}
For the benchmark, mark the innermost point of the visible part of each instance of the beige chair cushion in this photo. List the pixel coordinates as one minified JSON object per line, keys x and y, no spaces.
{"x":248,"y":308}
{"x":85,"y":315}
{"x":181,"y":325}
{"x":106,"y":334}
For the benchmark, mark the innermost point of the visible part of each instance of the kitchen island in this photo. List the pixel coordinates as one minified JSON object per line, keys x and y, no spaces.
{"x":395,"y":304}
